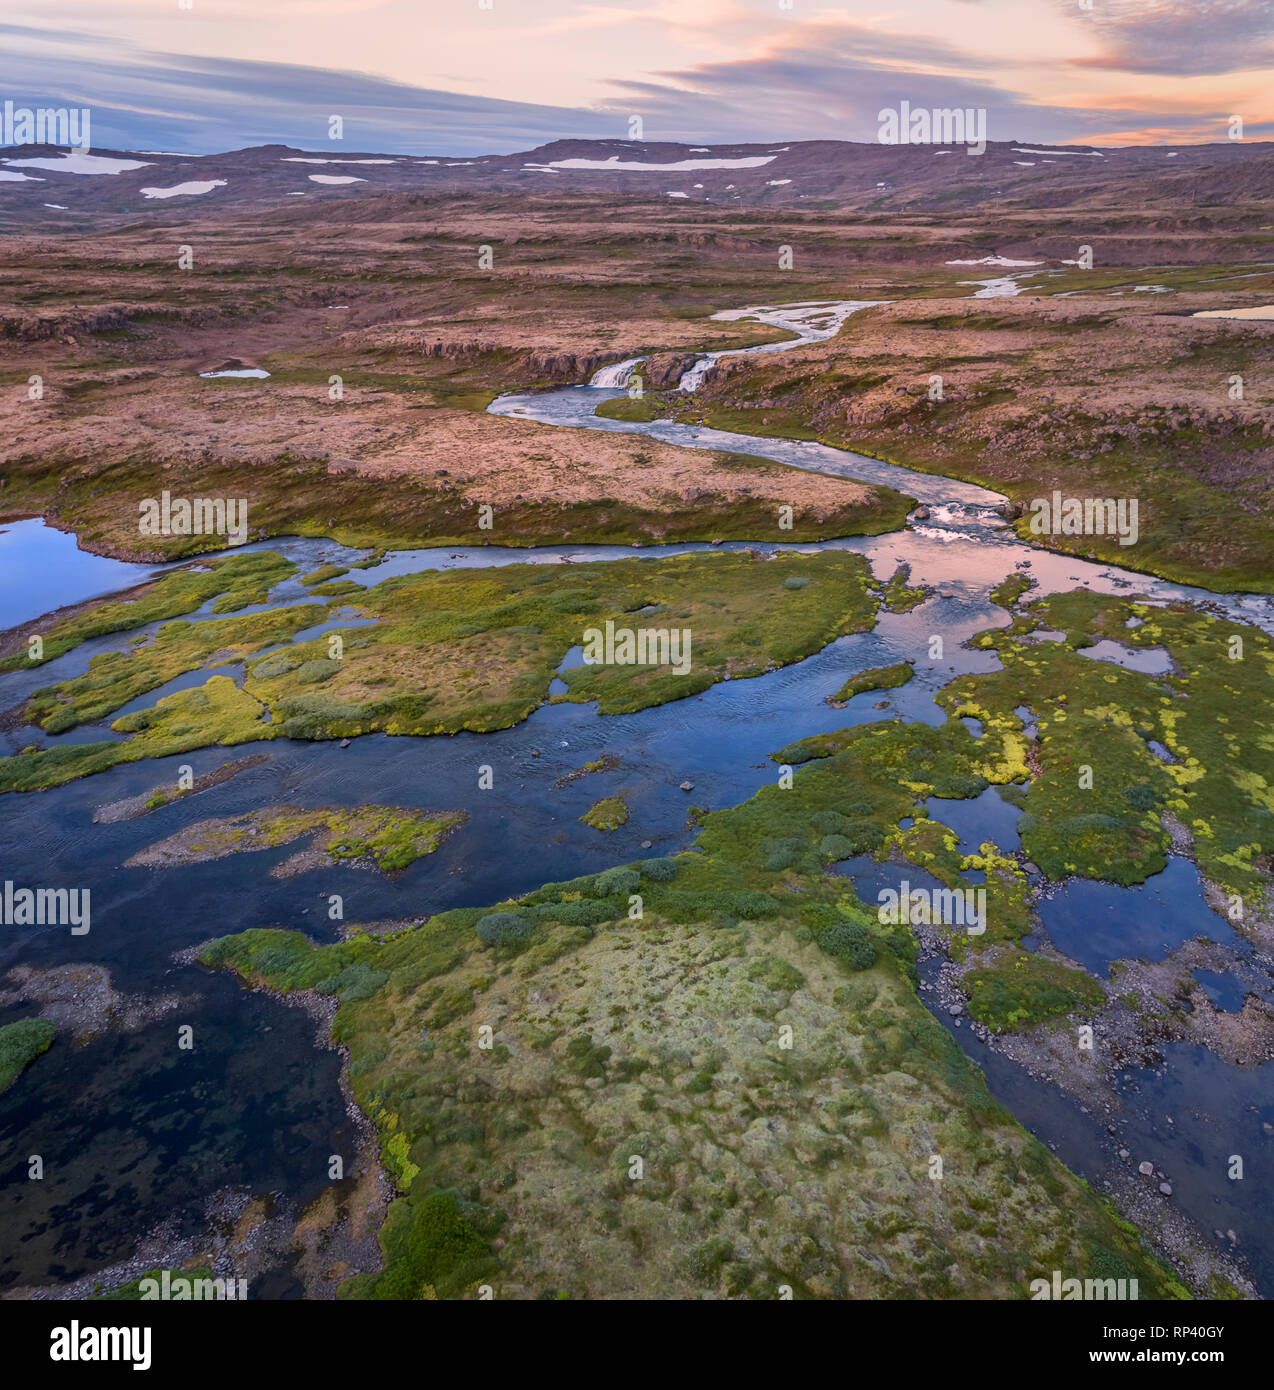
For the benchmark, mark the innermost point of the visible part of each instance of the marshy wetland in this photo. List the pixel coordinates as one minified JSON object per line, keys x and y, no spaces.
{"x":337,"y":769}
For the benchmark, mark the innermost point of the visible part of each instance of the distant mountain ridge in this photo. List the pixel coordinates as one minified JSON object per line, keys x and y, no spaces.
{"x":51,"y":185}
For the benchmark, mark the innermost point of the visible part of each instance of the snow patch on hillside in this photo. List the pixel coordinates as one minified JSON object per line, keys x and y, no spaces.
{"x":80,"y":163}
{"x":615,"y":165}
{"x":1095,"y":154}
{"x":995,"y":260}
{"x":194,"y":189}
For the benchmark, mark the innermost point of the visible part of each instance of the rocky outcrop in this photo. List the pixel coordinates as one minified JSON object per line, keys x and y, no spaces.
{"x":33,"y":328}
{"x":549,"y":366}
{"x":663,"y":370}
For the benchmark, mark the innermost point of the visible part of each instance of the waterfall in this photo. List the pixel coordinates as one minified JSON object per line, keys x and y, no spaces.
{"x":693,"y":376}
{"x":616,"y":375}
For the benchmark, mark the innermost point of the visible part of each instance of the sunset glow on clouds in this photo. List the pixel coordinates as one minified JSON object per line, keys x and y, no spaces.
{"x":446,"y":76}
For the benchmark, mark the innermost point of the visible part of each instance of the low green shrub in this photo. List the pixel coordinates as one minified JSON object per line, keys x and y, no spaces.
{"x":619,"y":881}
{"x":503,"y":929}
{"x":851,"y":943}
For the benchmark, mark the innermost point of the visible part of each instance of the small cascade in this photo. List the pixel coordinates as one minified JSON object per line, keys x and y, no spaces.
{"x":616,"y":375}
{"x":693,"y":377}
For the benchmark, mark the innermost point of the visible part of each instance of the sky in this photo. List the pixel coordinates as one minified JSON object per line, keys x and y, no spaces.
{"x":468,"y":77}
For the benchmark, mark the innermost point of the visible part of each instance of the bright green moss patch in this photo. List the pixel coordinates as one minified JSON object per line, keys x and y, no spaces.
{"x":323,"y":574}
{"x":387,"y":837}
{"x":876,"y":678}
{"x":216,"y":712}
{"x":114,"y":679}
{"x":436,"y":1246}
{"x":930,"y":845}
{"x":900,"y":595}
{"x":901,"y":763}
{"x":461,"y":649}
{"x":20,"y":1044}
{"x":1009,"y":590}
{"x":753,"y":620}
{"x":1023,"y":988}
{"x":608,"y":814}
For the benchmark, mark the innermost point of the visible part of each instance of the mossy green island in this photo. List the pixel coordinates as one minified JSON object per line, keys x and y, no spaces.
{"x":387,"y":838}
{"x":607,"y":814}
{"x":875,"y":678}
{"x":20,"y":1044}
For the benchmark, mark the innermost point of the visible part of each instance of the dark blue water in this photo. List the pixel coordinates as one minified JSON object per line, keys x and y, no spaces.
{"x":871,"y":879}
{"x":1096,"y":923}
{"x":1191,"y":1117}
{"x":978,"y":819}
{"x":1223,"y":991}
{"x":134,"y":1131}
